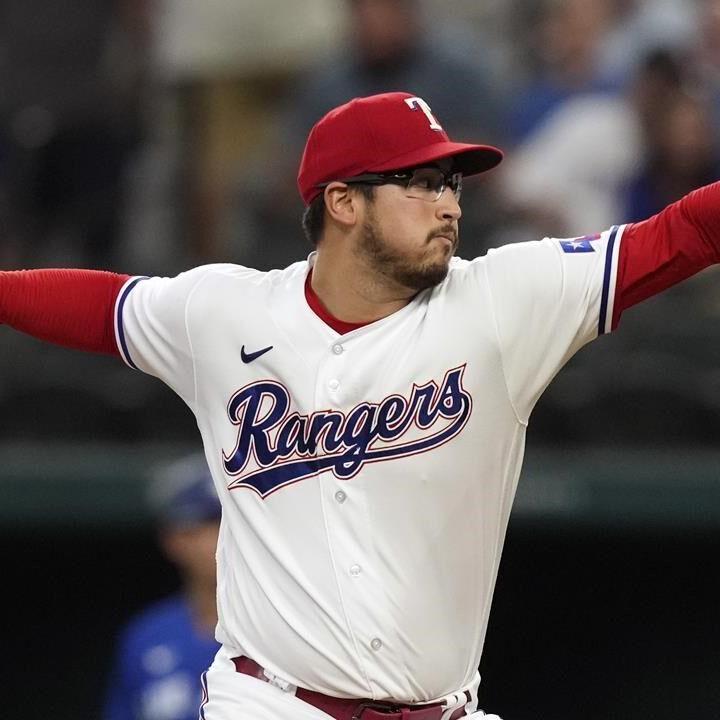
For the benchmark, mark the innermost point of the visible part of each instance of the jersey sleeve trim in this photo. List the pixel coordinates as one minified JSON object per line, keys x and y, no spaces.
{"x":607,"y":300}
{"x":119,"y":330}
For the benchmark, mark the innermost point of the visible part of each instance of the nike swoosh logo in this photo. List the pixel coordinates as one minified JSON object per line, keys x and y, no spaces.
{"x":249,"y":357}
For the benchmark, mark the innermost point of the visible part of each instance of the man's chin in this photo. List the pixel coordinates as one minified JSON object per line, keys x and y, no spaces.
{"x":426,"y":278}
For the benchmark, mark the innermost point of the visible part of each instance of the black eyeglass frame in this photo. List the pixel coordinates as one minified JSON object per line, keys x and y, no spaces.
{"x":453,"y":180}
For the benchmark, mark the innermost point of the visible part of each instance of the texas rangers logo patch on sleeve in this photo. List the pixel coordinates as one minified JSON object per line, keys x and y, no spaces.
{"x":277,"y":446}
{"x":579,"y":245}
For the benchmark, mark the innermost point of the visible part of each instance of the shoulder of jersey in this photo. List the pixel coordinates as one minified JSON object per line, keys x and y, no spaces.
{"x":218,"y":279}
{"x":460,"y":268}
{"x":458,"y":264}
{"x":240,"y":272}
{"x":252,"y":275}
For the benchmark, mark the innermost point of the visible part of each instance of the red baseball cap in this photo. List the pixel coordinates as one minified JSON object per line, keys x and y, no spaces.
{"x":378,"y":133}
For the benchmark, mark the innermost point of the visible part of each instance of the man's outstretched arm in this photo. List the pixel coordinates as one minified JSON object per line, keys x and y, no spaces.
{"x":669,"y":247}
{"x":74,"y":308}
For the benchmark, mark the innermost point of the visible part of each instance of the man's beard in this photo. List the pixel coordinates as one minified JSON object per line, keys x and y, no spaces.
{"x":414,"y":274}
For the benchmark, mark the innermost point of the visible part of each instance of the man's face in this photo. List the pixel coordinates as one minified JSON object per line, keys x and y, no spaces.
{"x":409,"y":241}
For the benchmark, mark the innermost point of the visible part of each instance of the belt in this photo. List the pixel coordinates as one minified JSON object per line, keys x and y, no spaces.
{"x":353,"y":709}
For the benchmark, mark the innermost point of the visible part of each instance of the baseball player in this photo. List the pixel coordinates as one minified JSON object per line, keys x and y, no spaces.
{"x":164,"y":649}
{"x":364,"y":412}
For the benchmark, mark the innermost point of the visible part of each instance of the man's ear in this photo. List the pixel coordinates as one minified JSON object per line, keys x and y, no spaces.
{"x":341,"y":204}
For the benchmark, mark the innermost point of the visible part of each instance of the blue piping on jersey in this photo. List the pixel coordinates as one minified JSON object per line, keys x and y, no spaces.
{"x":205,"y":695}
{"x":121,"y":331}
{"x":606,"y":280}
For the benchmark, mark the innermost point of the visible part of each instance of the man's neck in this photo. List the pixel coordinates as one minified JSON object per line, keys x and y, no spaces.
{"x":352,"y":293}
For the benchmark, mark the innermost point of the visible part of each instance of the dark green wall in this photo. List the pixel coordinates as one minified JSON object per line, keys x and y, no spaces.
{"x":586,"y":623}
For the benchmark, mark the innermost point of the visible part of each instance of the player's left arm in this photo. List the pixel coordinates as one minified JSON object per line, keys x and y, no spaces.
{"x":551,"y":297}
{"x":673,"y":245}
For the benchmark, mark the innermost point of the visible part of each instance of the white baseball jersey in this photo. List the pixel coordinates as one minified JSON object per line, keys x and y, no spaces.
{"x":367,"y":478}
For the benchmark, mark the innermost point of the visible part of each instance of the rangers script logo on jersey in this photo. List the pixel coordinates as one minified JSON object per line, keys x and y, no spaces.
{"x":285,"y":446}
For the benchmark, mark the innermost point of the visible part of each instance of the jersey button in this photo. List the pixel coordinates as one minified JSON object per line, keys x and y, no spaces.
{"x":355,"y":570}
{"x":337,"y":349}
{"x":334,"y":384}
{"x":376,"y":644}
{"x":340,"y":496}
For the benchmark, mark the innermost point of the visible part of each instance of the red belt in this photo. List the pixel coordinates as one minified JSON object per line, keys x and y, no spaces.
{"x":352,"y":709}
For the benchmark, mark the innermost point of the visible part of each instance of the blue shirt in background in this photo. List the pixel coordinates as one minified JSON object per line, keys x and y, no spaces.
{"x":158,"y":664}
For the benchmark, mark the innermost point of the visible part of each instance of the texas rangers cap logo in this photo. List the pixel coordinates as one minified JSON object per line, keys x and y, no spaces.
{"x":276,"y":446}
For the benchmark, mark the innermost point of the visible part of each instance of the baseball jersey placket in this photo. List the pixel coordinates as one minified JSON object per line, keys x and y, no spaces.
{"x":331,"y":358}
{"x":347,"y":523}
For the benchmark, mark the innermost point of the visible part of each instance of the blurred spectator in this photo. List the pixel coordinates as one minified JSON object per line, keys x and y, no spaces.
{"x":681,"y":150}
{"x":486,"y":31}
{"x":587,"y":150}
{"x":163,"y":651}
{"x":706,"y":54}
{"x":71,"y":75}
{"x":390,"y":45}
{"x":681,"y":154}
{"x":564,"y":40}
{"x":591,"y":148}
{"x":219,"y":67}
{"x":638,"y":28}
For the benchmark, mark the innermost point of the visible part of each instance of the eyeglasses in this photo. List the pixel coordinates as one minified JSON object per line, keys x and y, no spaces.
{"x":426,"y":183}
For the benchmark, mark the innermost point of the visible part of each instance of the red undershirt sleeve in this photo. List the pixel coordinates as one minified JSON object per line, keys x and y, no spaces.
{"x":74,"y":308}
{"x":669,"y":247}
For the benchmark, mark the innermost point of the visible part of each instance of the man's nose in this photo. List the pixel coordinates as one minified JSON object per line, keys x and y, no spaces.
{"x":448,"y":207}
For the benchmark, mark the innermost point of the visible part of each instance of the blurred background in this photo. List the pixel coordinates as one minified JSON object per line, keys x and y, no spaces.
{"x":149,"y":136}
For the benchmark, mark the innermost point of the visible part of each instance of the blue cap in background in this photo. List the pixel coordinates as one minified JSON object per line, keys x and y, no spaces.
{"x":182,"y":492}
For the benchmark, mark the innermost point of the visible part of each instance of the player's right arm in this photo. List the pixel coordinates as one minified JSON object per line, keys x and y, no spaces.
{"x":143,"y":320}
{"x":74,"y":308}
